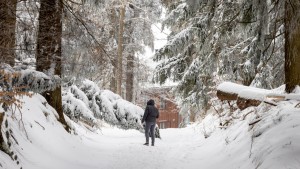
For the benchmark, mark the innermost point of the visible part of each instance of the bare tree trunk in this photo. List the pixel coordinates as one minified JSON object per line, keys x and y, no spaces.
{"x":49,"y":49}
{"x":120,"y":50}
{"x":113,"y":81}
{"x":7,"y":31}
{"x":130,"y":77}
{"x":131,"y":60}
{"x":292,"y":44}
{"x":113,"y":19}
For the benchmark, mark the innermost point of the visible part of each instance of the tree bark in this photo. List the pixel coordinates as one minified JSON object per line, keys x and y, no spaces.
{"x":130,"y":77}
{"x":243,"y":103}
{"x":48,"y":57}
{"x":292,"y":44}
{"x":113,"y":80}
{"x":131,"y":59}
{"x":7,"y":31}
{"x":226,"y":96}
{"x":3,"y":146}
{"x":120,"y":50}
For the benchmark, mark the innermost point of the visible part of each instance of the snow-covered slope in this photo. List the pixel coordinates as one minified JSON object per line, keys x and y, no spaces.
{"x":270,"y":143}
{"x":38,"y":141}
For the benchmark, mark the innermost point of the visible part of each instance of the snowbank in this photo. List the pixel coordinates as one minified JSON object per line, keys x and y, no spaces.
{"x":38,"y":141}
{"x":260,"y":137}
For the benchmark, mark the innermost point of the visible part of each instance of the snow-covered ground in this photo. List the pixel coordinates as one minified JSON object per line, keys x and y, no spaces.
{"x":271,"y":143}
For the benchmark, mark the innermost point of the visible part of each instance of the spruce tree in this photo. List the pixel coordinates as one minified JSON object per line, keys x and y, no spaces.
{"x":48,"y":56}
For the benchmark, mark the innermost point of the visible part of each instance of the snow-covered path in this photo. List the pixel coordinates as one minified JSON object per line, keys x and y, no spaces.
{"x":119,"y":149}
{"x":46,"y":145}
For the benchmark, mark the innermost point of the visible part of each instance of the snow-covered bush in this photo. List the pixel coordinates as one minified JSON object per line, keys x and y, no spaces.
{"x":89,"y":88}
{"x":89,"y":103}
{"x":105,"y":105}
{"x":15,"y":82}
{"x":27,"y":80}
{"x":76,"y":109}
{"x":79,"y":94}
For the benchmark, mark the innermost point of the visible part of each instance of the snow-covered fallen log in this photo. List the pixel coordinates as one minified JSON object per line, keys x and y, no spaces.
{"x":229,"y":90}
{"x":247,"y":96}
{"x":244,"y":95}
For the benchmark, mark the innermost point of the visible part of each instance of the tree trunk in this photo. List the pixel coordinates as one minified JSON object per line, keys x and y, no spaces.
{"x":113,"y":80}
{"x":3,"y":145}
{"x":113,"y":19}
{"x":129,"y":77}
{"x":120,"y":50}
{"x":292,"y":44}
{"x":226,"y":96}
{"x":131,"y":59}
{"x":48,"y":57}
{"x":7,"y":31}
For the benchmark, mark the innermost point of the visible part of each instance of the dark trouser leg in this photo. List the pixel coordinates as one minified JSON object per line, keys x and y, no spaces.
{"x":147,"y":128}
{"x":152,"y":128}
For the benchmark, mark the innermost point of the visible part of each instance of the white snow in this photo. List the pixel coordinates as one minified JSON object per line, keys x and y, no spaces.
{"x":273,"y":142}
{"x":256,"y":93}
{"x":230,"y":87}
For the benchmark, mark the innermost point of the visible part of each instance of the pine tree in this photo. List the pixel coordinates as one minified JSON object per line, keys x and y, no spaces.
{"x":292,"y":44}
{"x":214,"y":41}
{"x":7,"y":31}
{"x":49,"y":49}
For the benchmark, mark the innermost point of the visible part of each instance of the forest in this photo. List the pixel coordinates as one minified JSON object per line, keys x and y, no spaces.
{"x":75,"y":77}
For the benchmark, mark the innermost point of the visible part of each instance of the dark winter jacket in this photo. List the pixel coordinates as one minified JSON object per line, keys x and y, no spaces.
{"x":151,"y":112}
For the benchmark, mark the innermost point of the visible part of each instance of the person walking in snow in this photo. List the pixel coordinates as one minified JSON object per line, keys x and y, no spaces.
{"x":150,"y":116}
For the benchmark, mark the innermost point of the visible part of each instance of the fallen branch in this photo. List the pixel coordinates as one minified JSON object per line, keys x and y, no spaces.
{"x":247,"y":114}
{"x":255,"y":121}
{"x":223,"y":127}
{"x":12,"y":136}
{"x":270,"y":103}
{"x":40,"y":125}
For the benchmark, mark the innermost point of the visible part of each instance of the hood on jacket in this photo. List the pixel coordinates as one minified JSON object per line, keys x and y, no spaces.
{"x":150,"y":102}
